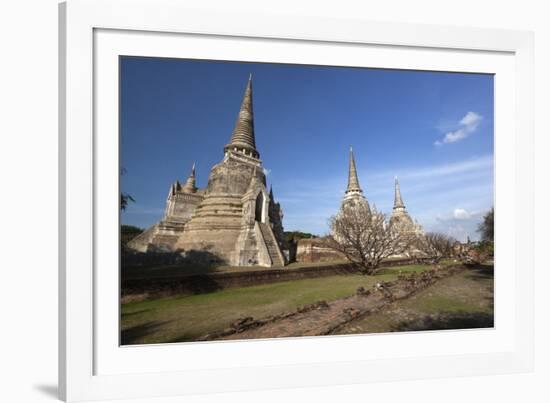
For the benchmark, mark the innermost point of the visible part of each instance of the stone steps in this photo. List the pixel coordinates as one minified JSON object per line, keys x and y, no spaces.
{"x":271,"y":244}
{"x":141,"y":242}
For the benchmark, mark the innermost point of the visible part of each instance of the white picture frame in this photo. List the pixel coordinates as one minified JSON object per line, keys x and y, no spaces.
{"x":92,"y":365}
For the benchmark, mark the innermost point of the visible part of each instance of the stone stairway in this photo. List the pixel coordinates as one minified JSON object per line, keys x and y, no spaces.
{"x":141,"y":242}
{"x":272,"y":246}
{"x":161,"y":237}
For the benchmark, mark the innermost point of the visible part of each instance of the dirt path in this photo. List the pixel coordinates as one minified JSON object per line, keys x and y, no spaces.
{"x":463,"y":301}
{"x":324,"y":318}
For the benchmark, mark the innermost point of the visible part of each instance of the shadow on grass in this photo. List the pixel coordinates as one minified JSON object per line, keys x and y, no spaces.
{"x":135,"y":334}
{"x":181,"y":339}
{"x":164,"y":287}
{"x":155,"y":263}
{"x":127,"y":314}
{"x":484,"y":273}
{"x":447,"y":321}
{"x":481,"y":272}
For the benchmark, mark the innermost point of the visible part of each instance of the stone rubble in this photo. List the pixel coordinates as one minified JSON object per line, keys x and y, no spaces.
{"x":324,"y":318}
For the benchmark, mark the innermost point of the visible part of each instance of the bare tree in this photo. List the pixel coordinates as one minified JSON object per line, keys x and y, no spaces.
{"x":365,"y":237}
{"x":436,"y":245}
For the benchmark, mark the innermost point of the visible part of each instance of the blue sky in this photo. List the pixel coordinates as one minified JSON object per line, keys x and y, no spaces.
{"x":433,"y":130}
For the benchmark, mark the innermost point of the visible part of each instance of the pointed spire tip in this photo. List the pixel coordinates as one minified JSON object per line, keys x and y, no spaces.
{"x":243,"y":137}
{"x":398,"y":199}
{"x":191,"y":182}
{"x":353,"y":180}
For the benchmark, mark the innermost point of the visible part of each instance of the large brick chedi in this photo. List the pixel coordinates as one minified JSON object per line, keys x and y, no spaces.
{"x":234,"y":220}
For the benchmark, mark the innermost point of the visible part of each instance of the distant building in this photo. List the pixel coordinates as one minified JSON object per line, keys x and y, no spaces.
{"x":353,"y":194}
{"x":316,"y":250}
{"x":234,"y":220}
{"x":400,"y":218}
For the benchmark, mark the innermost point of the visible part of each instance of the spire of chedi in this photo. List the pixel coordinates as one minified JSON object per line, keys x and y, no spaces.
{"x":243,"y":139}
{"x":354,"y":193}
{"x":398,"y":200}
{"x":353,"y":180}
{"x":400,"y":218}
{"x":191,"y":183}
{"x":233,"y":220}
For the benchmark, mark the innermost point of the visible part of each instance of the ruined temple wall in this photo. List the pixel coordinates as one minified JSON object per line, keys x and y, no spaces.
{"x":275,"y":217}
{"x":224,"y":222}
{"x":232,"y":176}
{"x":313,"y":251}
{"x":163,"y":236}
{"x":218,"y":226}
{"x":213,"y":230}
{"x":211,"y":245}
{"x":181,"y":206}
{"x":141,"y":242}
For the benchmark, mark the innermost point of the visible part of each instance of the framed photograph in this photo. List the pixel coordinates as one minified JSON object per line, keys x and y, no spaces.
{"x":258,"y":201}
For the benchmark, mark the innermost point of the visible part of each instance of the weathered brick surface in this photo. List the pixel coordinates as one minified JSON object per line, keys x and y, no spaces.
{"x":323,"y":318}
{"x":314,"y":250}
{"x":140,"y":288}
{"x":234,"y":220}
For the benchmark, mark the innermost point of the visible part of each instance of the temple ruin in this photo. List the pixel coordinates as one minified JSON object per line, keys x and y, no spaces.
{"x":234,"y":220}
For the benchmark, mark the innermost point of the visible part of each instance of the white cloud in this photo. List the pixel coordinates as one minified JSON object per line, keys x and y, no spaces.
{"x":471,"y":120}
{"x":267,"y":171}
{"x":467,"y":125}
{"x":431,"y":192}
{"x":459,"y":223}
{"x":461,"y":214}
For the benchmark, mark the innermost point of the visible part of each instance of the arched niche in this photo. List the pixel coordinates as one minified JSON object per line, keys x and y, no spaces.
{"x":259,"y":208}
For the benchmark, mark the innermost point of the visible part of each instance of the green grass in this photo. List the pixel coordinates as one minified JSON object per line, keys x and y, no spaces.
{"x":411,"y":268}
{"x":173,"y":271}
{"x":464,"y":300}
{"x":188,"y":317}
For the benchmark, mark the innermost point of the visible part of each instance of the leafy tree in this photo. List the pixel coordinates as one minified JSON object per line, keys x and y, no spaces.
{"x":487,"y":227}
{"x":296,"y":235}
{"x":482,"y":252}
{"x":130,"y":229}
{"x":125,"y":198}
{"x":129,"y":232}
